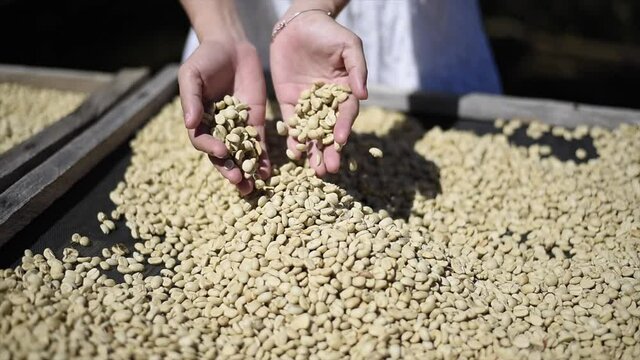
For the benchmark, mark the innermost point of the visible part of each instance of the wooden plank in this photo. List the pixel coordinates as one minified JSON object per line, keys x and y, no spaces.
{"x":23,"y":157}
{"x":487,"y":107}
{"x":34,"y":192}
{"x":550,"y":111}
{"x":60,"y":79}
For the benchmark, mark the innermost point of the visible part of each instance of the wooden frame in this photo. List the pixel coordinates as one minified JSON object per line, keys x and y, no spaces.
{"x":52,"y":78}
{"x":104,"y":91}
{"x":487,"y":107}
{"x":34,"y":192}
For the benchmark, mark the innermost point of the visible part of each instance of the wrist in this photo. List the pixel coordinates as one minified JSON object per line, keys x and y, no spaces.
{"x":332,"y":6}
{"x":219,"y":28}
{"x":215,"y":20}
{"x":221,"y":35}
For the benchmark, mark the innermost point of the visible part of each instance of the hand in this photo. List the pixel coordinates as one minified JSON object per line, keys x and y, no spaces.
{"x":314,"y":47}
{"x":215,"y":69}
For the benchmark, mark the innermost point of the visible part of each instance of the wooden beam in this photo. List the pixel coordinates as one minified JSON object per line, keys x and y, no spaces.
{"x":34,"y":192}
{"x":23,"y":157}
{"x":51,"y":78}
{"x":478,"y":106}
{"x":487,"y":107}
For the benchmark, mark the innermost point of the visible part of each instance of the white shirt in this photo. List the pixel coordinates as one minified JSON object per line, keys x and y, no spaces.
{"x":432,"y":45}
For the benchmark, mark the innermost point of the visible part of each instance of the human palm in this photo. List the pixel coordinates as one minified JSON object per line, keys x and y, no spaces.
{"x":212,"y":71}
{"x":316,"y":48}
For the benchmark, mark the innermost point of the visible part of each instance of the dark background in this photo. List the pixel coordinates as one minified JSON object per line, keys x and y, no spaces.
{"x":578,"y":50}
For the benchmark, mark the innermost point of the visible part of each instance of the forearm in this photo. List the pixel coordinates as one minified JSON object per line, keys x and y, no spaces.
{"x":214,"y":19}
{"x":334,"y":6}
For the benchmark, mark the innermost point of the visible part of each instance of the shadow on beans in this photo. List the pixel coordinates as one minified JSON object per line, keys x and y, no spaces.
{"x":391,"y":182}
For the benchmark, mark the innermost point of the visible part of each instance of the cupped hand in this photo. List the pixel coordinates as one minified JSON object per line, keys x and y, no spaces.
{"x":216,"y":69}
{"x":313,"y":47}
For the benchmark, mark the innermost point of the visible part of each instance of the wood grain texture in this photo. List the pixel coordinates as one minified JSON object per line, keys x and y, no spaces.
{"x":486,"y":107}
{"x":23,"y":157}
{"x":52,"y":78}
{"x":29,"y":196}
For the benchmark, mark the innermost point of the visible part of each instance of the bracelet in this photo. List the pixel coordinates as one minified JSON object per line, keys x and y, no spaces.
{"x":281,"y":25}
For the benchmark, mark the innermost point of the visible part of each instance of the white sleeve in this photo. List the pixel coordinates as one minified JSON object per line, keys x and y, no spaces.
{"x":258,"y":18}
{"x":432,"y":45}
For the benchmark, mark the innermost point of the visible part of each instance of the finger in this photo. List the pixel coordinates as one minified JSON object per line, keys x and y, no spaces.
{"x":331,"y":159}
{"x":203,"y":141}
{"x":190,"y":85}
{"x":232,"y":173}
{"x":291,"y":144}
{"x":257,"y":105}
{"x":249,"y":84}
{"x":264,"y":164}
{"x":264,"y":167}
{"x":316,"y":160}
{"x":356,"y":65}
{"x":256,"y":116}
{"x":245,"y":187}
{"x":288,"y":111}
{"x":228,"y":169}
{"x":348,"y":111}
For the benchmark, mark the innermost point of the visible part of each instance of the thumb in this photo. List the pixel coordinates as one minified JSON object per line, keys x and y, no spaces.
{"x":356,"y":65}
{"x":190,"y":85}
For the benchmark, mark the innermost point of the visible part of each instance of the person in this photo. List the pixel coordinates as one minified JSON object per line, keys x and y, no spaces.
{"x":431,"y":45}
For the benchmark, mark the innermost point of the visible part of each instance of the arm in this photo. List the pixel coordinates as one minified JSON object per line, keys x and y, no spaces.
{"x":224,"y":63}
{"x":214,"y":19}
{"x":325,"y":51}
{"x":335,"y":6}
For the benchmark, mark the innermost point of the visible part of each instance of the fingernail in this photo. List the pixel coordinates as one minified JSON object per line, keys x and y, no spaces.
{"x":229,"y":164}
{"x":188,"y":120}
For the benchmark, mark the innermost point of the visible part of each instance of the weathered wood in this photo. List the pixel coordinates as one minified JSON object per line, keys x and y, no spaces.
{"x":51,"y":78}
{"x":486,"y":107}
{"x":23,"y":157}
{"x":554,"y":112}
{"x":34,"y":192}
